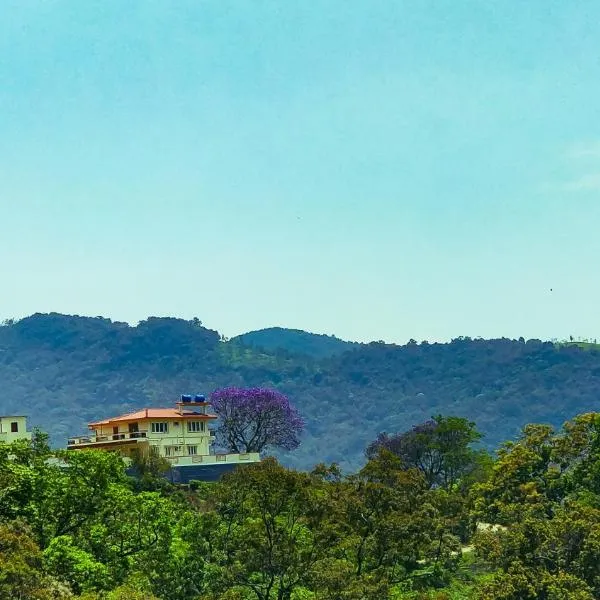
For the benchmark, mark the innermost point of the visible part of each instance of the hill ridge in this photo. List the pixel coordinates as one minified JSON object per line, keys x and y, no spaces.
{"x":65,"y":371}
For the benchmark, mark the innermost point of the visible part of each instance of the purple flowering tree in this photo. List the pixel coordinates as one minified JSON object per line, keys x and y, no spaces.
{"x":253,"y":419}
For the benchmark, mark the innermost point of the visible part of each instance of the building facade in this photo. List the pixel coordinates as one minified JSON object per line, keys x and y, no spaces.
{"x":13,"y":428}
{"x":181,"y":435}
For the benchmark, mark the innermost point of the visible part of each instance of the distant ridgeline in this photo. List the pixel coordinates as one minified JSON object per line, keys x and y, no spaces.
{"x":65,"y":371}
{"x":295,"y":341}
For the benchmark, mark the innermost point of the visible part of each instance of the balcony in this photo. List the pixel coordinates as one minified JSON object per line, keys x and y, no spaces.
{"x":111,"y":438}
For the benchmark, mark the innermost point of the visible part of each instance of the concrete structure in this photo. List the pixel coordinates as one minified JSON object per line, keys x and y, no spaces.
{"x":13,"y":428}
{"x":181,"y":435}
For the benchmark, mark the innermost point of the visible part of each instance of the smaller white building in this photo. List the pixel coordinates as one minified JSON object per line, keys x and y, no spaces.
{"x":13,"y":428}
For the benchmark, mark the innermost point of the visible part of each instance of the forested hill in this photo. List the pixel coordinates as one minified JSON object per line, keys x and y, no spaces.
{"x":296,"y":341}
{"x":64,"y":371}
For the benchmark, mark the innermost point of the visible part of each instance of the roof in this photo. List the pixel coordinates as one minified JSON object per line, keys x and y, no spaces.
{"x":13,"y":416}
{"x":155,"y":413}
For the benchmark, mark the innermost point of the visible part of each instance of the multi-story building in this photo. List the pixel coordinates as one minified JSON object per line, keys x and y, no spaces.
{"x":181,"y":435}
{"x":13,"y":428}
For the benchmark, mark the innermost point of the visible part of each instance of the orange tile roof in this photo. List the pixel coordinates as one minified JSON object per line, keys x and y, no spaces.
{"x":154,"y":413}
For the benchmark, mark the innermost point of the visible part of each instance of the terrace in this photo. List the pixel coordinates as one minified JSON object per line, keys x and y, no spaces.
{"x":90,"y":440}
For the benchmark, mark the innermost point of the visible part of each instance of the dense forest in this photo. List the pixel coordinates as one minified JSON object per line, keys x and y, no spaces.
{"x":295,"y":341}
{"x":63,"y":371}
{"x":428,"y":517}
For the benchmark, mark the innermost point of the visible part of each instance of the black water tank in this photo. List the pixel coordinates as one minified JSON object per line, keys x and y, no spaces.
{"x":186,"y":398}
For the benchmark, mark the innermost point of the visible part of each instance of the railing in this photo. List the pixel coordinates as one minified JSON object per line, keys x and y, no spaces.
{"x":208,"y":459}
{"x":113,"y":437}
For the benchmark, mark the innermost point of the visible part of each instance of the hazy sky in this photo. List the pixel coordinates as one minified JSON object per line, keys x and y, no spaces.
{"x":381,"y":169}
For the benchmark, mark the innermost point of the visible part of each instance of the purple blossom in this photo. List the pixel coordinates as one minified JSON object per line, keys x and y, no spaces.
{"x":252,"y":419}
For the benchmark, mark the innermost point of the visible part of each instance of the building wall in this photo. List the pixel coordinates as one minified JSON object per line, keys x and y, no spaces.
{"x":8,"y":436}
{"x":174,"y":442}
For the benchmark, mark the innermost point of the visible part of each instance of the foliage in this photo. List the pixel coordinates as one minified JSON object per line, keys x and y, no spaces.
{"x":70,"y":370}
{"x":526,"y":527}
{"x":253,"y":419}
{"x":544,"y":491}
{"x":295,"y":341}
{"x":270,"y":536}
{"x":149,"y":468}
{"x":74,"y":565}
{"x":21,"y":573}
{"x":427,"y":516}
{"x":64,"y":496}
{"x":263,"y":532}
{"x":441,"y":449}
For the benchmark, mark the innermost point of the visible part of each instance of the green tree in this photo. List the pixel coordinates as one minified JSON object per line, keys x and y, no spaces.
{"x":66,"y":494}
{"x":266,"y":539}
{"x":131,"y":530}
{"x":544,"y":489}
{"x":150,"y":469}
{"x":182,"y":573}
{"x":21,"y":573}
{"x":528,"y":584}
{"x":522,"y":480}
{"x":75,"y":566}
{"x":440,"y":448}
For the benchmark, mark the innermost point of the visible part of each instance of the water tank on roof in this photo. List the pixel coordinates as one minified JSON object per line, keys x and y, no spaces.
{"x":186,"y":398}
{"x":199,"y":398}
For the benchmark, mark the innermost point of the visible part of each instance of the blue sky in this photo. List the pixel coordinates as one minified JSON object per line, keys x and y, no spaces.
{"x":382,"y":169}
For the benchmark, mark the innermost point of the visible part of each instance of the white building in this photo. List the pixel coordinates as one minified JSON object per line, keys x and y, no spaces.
{"x":181,"y":435}
{"x":13,"y":428}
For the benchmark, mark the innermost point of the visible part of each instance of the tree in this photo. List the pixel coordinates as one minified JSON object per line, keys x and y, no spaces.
{"x":150,"y":468}
{"x":132,"y":529}
{"x":439,"y":448}
{"x":21,"y":573}
{"x":528,"y":584}
{"x":544,"y":488}
{"x":390,"y":519}
{"x":266,"y":536}
{"x":75,"y":566}
{"x":62,"y":497}
{"x":541,"y":557}
{"x":253,"y":419}
{"x":522,"y":479}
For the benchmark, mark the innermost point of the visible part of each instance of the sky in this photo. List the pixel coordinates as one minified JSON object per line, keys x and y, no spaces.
{"x":376,"y":169}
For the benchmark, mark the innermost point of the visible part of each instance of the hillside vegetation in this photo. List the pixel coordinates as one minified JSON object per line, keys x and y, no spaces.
{"x":429,"y":517}
{"x":64,"y":371}
{"x":296,"y":341}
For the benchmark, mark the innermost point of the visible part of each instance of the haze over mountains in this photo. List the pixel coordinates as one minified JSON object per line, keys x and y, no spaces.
{"x":64,"y":371}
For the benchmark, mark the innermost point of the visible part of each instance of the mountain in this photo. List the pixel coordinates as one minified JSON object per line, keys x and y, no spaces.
{"x":64,"y":371}
{"x":295,"y":341}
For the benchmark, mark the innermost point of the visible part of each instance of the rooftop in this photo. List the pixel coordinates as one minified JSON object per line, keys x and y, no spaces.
{"x":155,"y":413}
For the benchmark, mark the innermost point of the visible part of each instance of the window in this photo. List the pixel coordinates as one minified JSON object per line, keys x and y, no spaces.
{"x":195,"y":426}
{"x":160,"y":427}
{"x":192,"y":450}
{"x":172,"y":450}
{"x":14,"y":427}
